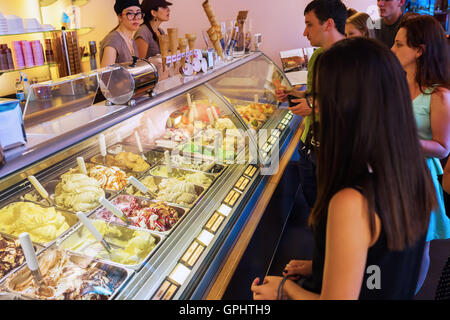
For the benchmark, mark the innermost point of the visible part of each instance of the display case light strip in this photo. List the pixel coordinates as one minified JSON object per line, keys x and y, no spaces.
{"x":194,"y":245}
{"x":162,"y":290}
{"x":218,"y":223}
{"x":193,"y":259}
{"x":212,"y":221}
{"x":205,"y":237}
{"x":180,"y":274}
{"x":170,"y":292}
{"x":224,"y":209}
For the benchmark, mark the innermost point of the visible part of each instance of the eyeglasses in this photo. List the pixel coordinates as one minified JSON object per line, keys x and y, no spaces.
{"x":134,"y":16}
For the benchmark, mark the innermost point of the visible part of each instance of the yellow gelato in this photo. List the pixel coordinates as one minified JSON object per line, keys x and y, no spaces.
{"x":198,"y":178}
{"x":131,"y":161}
{"x":43,"y":224}
{"x":149,"y":182}
{"x":78,"y":192}
{"x":136,"y":244}
{"x":124,"y":160}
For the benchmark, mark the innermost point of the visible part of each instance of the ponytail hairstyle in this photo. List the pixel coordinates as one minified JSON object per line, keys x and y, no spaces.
{"x":147,"y":10}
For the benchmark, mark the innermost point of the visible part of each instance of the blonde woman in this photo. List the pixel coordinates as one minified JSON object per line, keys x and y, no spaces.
{"x":357,"y":25}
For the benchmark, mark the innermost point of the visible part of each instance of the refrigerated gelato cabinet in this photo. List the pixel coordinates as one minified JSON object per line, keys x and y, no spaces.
{"x":169,"y":184}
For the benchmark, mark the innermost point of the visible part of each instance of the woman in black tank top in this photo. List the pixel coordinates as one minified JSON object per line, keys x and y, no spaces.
{"x":374,"y":191}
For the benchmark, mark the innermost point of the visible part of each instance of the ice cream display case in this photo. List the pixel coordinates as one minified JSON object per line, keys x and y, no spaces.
{"x":168,"y":184}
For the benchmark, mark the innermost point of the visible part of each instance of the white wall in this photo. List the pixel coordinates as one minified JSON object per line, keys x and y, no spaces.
{"x":280,"y":22}
{"x":281,"y":25}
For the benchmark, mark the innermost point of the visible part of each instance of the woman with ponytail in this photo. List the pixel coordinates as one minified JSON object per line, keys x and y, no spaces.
{"x":156,"y":12}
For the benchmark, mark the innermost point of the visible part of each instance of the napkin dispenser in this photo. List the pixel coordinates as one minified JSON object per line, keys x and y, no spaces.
{"x":12,"y":129}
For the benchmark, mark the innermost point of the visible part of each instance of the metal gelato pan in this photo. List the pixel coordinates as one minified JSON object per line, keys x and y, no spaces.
{"x":27,"y":223}
{"x":180,"y":174}
{"x":151,"y":158}
{"x":109,"y":279}
{"x":4,"y":260}
{"x":124,"y":241}
{"x":50,"y":187}
{"x":163,"y":225}
{"x":175,"y":197}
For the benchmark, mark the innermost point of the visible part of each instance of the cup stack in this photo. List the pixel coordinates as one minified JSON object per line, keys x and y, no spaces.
{"x":27,"y":54}
{"x":18,"y":55}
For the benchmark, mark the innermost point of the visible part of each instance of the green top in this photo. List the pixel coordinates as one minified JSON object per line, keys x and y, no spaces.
{"x":309,"y":85}
{"x":421,"y":106}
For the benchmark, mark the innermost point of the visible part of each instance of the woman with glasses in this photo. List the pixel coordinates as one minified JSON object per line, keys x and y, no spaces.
{"x":119,"y":46}
{"x":156,"y":12}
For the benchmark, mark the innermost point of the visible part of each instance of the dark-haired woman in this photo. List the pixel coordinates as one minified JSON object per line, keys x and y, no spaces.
{"x":371,"y":215}
{"x":421,"y":48}
{"x":118,"y":46}
{"x":156,"y":12}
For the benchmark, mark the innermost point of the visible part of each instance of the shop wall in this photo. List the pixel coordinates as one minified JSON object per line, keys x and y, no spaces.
{"x":25,"y":9}
{"x":281,"y":23}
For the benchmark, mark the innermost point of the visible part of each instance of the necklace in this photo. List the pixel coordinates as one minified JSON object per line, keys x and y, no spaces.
{"x":128,"y":41}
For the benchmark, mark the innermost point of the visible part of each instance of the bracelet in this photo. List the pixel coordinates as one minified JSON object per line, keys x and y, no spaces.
{"x":280,"y":293}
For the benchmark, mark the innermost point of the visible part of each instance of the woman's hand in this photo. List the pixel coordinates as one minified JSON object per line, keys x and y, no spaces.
{"x":267,"y":290}
{"x":281,"y":94}
{"x":298,"y":268}
{"x":301,"y":109}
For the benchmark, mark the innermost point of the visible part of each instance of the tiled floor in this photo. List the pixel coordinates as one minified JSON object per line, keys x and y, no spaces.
{"x":296,"y":242}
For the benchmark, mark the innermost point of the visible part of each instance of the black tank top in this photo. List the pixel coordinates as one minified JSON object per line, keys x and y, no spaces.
{"x":399,"y":270}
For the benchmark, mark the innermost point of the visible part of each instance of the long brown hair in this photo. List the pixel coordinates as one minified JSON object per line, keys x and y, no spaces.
{"x":147,"y":8}
{"x":367,"y":124}
{"x":433,"y":66}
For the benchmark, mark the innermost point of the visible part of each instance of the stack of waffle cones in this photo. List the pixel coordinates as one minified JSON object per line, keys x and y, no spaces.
{"x":173,"y":43}
{"x":182,"y":44}
{"x":164,"y":46}
{"x":215,"y":32}
{"x":191,"y":37}
{"x":214,"y":37}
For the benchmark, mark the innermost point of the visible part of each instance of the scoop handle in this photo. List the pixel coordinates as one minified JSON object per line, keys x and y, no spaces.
{"x":138,"y":140}
{"x":210,"y":115}
{"x":102,"y":141}
{"x":168,"y":164}
{"x":214,"y":111}
{"x":28,"y":251}
{"x":82,"y":165}
{"x":112,"y":208}
{"x":88,"y":224}
{"x":188,"y":98}
{"x":38,"y":186}
{"x":139,"y":185}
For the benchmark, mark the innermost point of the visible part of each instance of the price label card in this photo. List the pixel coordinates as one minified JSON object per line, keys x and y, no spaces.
{"x":183,"y":55}
{"x":178,"y":57}
{"x":169,"y":60}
